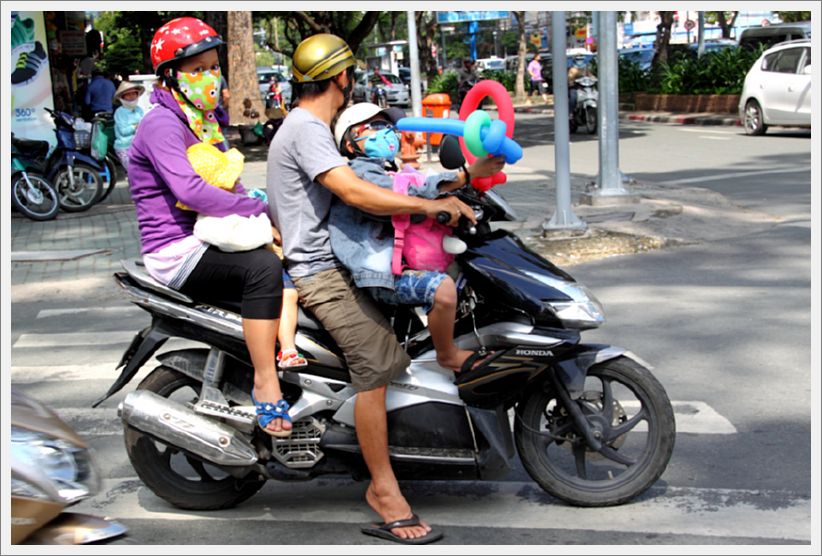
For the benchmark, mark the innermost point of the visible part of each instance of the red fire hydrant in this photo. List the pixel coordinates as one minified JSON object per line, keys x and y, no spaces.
{"x":410,"y":141}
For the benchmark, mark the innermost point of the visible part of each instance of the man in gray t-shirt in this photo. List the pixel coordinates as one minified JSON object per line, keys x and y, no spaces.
{"x":305,"y":171}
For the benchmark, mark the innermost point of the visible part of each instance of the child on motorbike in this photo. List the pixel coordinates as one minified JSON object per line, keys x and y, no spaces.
{"x":223,"y":170}
{"x":366,"y":135}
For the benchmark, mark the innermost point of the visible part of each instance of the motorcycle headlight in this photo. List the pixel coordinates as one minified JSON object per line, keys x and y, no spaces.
{"x":583,"y":310}
{"x":51,"y":465}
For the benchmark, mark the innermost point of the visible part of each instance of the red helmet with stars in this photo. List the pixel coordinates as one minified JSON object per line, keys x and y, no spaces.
{"x":181,"y":38}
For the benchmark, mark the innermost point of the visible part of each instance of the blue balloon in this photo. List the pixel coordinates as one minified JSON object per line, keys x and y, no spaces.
{"x":509,"y":148}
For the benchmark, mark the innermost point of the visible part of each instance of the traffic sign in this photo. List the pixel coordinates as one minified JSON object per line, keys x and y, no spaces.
{"x":689,"y":24}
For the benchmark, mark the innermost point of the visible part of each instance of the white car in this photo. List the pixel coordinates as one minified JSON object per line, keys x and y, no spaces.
{"x":396,"y":91}
{"x":777,"y":89}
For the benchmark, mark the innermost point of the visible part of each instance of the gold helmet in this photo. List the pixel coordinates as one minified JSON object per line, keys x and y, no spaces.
{"x":321,"y":57}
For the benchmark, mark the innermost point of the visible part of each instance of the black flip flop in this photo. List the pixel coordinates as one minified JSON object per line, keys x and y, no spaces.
{"x":383,"y":531}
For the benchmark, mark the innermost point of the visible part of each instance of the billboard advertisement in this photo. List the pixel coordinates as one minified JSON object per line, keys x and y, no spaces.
{"x":457,"y":17}
{"x":30,"y":78}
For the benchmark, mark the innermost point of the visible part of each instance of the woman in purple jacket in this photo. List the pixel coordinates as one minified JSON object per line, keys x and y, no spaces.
{"x":184,"y":56}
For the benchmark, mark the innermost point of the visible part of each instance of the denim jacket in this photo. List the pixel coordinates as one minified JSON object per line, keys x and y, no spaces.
{"x":364,"y":243}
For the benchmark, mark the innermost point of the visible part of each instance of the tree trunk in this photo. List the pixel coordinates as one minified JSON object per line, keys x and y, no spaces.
{"x":242,"y":78}
{"x":219,"y":22}
{"x":519,"y":88}
{"x":426,"y":37}
{"x":663,"y":39}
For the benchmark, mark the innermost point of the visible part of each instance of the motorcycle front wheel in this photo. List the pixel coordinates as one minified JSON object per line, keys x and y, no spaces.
{"x":86,"y":189}
{"x":590,"y":119}
{"x":110,"y":181}
{"x":34,"y":196}
{"x":629,"y":411}
{"x":172,"y":474}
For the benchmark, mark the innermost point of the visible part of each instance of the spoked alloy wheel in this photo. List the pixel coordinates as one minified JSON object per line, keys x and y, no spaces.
{"x":35,"y":198}
{"x":172,"y":474}
{"x":83,"y":192}
{"x":627,"y":409}
{"x":754,"y":122}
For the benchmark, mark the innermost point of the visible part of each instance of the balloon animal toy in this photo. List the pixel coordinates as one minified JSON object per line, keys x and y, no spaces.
{"x":478,"y":134}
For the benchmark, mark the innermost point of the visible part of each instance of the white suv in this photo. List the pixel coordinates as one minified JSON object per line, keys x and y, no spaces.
{"x":777,"y":89}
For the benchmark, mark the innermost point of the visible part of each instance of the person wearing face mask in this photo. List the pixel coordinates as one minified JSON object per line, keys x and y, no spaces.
{"x":184,"y":57}
{"x":305,"y":174}
{"x":366,"y":135}
{"x":126,"y":118}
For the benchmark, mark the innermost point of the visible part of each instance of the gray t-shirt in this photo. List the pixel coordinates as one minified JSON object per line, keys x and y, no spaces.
{"x":302,"y":149}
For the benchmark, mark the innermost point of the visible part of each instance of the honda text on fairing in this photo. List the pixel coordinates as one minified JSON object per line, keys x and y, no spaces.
{"x":590,"y":423}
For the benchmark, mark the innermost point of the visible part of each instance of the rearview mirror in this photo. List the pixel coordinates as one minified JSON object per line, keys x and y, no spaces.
{"x":450,"y":154}
{"x":807,"y":70}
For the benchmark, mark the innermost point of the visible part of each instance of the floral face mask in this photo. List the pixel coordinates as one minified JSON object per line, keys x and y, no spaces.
{"x":201,"y":88}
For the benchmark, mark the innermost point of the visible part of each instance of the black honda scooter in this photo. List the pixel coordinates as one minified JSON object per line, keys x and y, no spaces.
{"x":590,"y":423}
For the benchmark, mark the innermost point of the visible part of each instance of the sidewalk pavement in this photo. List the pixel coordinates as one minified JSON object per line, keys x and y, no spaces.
{"x":77,"y":253}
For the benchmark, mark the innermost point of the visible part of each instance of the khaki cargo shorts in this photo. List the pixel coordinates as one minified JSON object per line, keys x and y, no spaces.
{"x":372,"y":352}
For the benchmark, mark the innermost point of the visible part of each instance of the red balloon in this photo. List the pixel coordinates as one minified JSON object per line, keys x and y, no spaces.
{"x":500,"y":96}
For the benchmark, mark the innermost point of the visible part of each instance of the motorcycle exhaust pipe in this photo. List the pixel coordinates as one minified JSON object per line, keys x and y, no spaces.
{"x":179,"y":426}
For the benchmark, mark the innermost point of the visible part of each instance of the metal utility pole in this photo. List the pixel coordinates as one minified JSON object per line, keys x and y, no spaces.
{"x":413,"y":53}
{"x":700,"y":50}
{"x":610,"y":179}
{"x":564,"y":217}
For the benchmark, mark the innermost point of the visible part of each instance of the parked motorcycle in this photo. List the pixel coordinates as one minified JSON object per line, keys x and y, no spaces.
{"x":590,"y":422}
{"x":75,"y":174}
{"x":52,"y":468}
{"x":584,"y":112}
{"x":31,"y":193}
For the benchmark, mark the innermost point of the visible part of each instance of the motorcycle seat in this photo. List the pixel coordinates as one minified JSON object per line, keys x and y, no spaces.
{"x":31,"y":147}
{"x":137,"y":270}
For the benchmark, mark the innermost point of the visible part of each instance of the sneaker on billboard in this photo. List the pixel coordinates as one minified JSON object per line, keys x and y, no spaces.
{"x":28,"y":65}
{"x":22,"y":32}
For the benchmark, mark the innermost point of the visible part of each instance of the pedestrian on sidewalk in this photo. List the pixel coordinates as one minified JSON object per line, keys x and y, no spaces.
{"x":126,"y":118}
{"x":535,"y":75}
{"x":99,"y":94}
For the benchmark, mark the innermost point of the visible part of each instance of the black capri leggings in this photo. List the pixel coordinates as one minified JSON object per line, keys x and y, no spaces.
{"x":247,"y":282}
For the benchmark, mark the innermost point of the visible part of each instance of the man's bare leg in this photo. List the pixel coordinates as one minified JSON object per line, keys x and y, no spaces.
{"x":383,"y":494}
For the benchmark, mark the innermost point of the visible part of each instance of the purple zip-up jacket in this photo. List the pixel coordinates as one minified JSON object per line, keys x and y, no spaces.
{"x":160,"y":174}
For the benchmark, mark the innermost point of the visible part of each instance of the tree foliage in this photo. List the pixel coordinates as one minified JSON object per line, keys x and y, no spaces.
{"x":351,"y":26}
{"x":793,"y":17}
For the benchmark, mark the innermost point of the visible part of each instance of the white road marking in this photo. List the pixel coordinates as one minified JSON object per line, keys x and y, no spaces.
{"x":120,"y":311}
{"x":720,"y":177}
{"x":65,"y":339}
{"x":523,"y":505}
{"x":716,"y":131}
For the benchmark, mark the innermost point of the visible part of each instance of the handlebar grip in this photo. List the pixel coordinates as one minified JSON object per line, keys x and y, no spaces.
{"x":443,"y":217}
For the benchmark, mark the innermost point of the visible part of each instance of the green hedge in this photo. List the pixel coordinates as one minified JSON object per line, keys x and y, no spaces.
{"x":447,"y":82}
{"x":718,"y":72}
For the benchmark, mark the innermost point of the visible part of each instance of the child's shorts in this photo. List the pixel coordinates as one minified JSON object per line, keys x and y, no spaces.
{"x":287,"y":283}
{"x":418,"y":287}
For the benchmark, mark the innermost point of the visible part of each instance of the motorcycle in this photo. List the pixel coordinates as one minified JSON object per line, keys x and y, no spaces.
{"x":51,"y":469}
{"x":74,"y":173}
{"x":31,"y":193}
{"x":590,"y":423}
{"x":379,"y":95}
{"x":584,"y":112}
{"x":103,"y":122}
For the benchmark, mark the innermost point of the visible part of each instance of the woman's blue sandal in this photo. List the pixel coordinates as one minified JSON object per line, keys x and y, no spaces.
{"x":267,"y":412}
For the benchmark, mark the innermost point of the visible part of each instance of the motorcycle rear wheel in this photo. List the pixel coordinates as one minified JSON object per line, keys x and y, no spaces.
{"x":172,"y":474}
{"x":36,"y":199}
{"x":87,"y":188}
{"x":628,"y":407}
